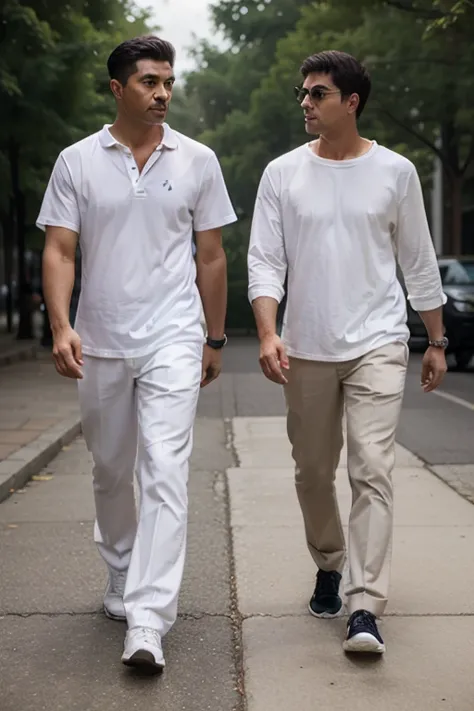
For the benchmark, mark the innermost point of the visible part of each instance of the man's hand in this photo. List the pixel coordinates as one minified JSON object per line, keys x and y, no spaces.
{"x":433,"y":369}
{"x":273,"y":359}
{"x":67,"y":353}
{"x":211,"y":365}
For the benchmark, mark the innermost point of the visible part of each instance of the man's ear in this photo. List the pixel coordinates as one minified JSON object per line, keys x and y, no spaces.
{"x":353,"y":103}
{"x":116,"y":88}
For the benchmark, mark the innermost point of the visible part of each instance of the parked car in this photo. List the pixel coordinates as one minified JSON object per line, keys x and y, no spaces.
{"x":457,"y":276}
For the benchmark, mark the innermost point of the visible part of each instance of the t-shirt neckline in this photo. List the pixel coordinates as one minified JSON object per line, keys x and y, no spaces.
{"x":343,"y":163}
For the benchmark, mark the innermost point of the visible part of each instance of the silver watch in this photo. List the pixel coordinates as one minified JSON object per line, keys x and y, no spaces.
{"x":442,"y":343}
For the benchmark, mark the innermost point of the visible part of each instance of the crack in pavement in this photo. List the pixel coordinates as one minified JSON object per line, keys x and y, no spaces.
{"x":96,"y":613}
{"x":236,"y":617}
{"x":391,"y":615}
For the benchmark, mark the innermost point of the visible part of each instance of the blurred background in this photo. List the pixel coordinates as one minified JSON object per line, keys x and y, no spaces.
{"x":237,"y":63}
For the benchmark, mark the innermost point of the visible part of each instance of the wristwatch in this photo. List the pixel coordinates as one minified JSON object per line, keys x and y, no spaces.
{"x":442,"y":343}
{"x":216,"y":344}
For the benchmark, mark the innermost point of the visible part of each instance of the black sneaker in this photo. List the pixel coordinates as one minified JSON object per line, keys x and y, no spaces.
{"x":326,"y":601}
{"x":363,"y":635}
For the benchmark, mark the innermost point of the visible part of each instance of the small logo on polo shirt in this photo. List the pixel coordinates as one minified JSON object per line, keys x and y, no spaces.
{"x":168,"y":185}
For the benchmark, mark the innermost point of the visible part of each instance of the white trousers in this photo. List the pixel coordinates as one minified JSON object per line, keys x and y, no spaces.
{"x":138,"y":414}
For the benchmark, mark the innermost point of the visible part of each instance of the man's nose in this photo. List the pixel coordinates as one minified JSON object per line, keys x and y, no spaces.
{"x":160,"y":93}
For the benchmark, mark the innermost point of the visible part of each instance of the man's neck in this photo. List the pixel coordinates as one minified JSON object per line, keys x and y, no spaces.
{"x":136,"y":136}
{"x":341,"y":147}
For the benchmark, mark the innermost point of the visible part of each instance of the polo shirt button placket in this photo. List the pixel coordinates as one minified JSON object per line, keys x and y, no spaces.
{"x":134,"y":175}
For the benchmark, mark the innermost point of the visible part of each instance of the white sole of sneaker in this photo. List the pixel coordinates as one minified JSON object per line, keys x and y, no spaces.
{"x":363,"y":643}
{"x":326,"y":615}
{"x":144,"y":661}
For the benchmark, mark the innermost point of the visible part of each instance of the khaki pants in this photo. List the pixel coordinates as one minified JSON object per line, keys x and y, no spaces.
{"x":371,"y":390}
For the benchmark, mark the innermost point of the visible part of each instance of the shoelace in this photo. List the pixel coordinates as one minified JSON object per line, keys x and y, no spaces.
{"x":364,"y":620}
{"x":327,"y":584}
{"x":117,"y":581}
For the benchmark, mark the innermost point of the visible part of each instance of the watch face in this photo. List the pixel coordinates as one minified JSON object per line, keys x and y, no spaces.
{"x":212,"y":343}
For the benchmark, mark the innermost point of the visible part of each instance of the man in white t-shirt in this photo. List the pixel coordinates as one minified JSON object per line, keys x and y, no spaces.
{"x":334,"y":215}
{"x":133,"y":194}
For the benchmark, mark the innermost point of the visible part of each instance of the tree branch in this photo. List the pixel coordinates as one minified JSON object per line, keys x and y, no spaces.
{"x":433,"y":147}
{"x":470,"y":157}
{"x":408,"y":6}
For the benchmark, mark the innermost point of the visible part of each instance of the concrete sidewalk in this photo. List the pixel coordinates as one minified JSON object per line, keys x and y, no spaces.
{"x":293,"y":661}
{"x":244,"y":640}
{"x":12,"y":351}
{"x":39,"y":414}
{"x":58,"y":652}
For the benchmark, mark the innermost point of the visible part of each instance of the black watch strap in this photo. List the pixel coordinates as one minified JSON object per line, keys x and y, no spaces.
{"x":216,"y":344}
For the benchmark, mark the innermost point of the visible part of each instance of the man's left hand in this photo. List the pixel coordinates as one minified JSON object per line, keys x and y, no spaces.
{"x":433,"y":369}
{"x":211,"y":365}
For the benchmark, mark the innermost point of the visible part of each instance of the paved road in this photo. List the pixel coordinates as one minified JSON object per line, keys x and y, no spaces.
{"x":57,"y":652}
{"x":438,"y":430}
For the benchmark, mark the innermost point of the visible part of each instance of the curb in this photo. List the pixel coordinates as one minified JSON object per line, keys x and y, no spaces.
{"x":447,"y":474}
{"x":19,"y":467}
{"x":16,"y":354}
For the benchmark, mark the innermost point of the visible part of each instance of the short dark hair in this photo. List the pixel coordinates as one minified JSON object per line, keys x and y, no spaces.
{"x":122,"y":63}
{"x":346,"y":71}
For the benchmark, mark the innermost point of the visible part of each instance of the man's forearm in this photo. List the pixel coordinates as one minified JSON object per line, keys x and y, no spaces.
{"x":58,"y":283}
{"x":265,"y":310}
{"x":433,"y":321}
{"x":212,"y":284}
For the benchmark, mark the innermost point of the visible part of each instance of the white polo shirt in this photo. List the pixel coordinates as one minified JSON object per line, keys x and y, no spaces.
{"x":138,"y":273}
{"x":335,"y":228}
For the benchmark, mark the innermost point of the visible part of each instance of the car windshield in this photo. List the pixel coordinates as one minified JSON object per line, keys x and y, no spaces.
{"x":457,"y":273}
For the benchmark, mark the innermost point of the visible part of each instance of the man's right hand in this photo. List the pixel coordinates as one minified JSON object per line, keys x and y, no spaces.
{"x":67,"y":353}
{"x":273,"y":359}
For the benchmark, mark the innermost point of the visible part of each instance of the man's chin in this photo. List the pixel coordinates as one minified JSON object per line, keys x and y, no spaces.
{"x":155,"y":119}
{"x":311,"y":128}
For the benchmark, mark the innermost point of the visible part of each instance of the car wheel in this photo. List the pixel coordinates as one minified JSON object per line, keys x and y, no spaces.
{"x":462,"y":358}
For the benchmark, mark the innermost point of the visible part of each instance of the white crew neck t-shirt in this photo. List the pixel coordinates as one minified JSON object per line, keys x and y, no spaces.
{"x":138,"y":289}
{"x":334,"y":228}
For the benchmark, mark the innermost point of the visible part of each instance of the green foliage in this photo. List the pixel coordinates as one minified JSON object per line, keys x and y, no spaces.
{"x":53,"y":91}
{"x":53,"y":83}
{"x":420,"y":54}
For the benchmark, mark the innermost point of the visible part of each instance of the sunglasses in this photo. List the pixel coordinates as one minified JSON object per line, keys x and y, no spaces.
{"x":316,"y":93}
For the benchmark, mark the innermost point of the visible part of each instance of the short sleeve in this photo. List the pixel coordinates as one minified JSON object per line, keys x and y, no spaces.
{"x":59,"y":207}
{"x":213,"y":207}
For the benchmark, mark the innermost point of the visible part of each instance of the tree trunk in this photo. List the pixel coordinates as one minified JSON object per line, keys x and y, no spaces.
{"x":8,"y":238}
{"x":25,"y":326}
{"x":449,"y":140}
{"x":455,"y":188}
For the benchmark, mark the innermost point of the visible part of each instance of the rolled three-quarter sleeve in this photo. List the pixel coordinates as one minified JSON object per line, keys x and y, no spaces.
{"x":416,"y":253}
{"x":60,"y":207}
{"x":267,"y":263}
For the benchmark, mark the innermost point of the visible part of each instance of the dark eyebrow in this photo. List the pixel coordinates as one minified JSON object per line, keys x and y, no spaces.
{"x":321,"y":86}
{"x":147,"y":77}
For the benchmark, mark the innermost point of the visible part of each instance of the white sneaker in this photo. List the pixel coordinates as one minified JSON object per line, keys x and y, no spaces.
{"x":113,"y":598}
{"x":143,"y":650}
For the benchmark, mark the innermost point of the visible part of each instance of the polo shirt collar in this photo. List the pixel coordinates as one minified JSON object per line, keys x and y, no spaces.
{"x":169,"y":141}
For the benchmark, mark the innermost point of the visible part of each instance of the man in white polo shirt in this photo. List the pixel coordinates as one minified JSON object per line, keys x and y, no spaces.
{"x":133,"y":194}
{"x":333,"y":215}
